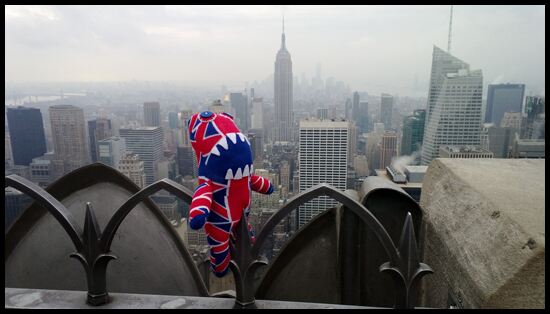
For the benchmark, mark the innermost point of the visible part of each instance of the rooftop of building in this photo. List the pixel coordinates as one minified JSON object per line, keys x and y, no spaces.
{"x":464,"y":149}
{"x":64,"y":107}
{"x":416,"y":169}
{"x":139,"y":128}
{"x":20,"y":108}
{"x":112,"y":138}
{"x":323,"y":123}
{"x":531,"y":142}
{"x":382,"y":173}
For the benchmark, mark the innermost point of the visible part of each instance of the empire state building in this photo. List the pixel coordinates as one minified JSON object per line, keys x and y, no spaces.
{"x":283,"y":94}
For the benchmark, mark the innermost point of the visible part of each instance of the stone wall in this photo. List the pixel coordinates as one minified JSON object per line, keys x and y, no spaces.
{"x":484,"y":233}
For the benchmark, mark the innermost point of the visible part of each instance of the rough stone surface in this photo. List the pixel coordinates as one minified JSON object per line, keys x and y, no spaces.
{"x":65,"y":299}
{"x":484,"y":233}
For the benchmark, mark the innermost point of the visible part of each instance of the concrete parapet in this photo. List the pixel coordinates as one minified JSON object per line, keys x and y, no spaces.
{"x":484,"y":233}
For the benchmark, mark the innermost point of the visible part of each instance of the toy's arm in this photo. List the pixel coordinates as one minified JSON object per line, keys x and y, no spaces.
{"x":261,"y":184}
{"x":200,"y":205}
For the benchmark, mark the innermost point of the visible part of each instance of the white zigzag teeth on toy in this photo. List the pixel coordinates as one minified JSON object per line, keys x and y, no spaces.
{"x":223,"y":143}
{"x":241,"y":136}
{"x":246,"y":171}
{"x":215,"y":151}
{"x":232,"y":137}
{"x":238,"y":174}
{"x":229,"y":174}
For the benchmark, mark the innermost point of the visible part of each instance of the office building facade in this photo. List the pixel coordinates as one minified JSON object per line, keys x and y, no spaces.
{"x":454,"y":105}
{"x":388,"y":149}
{"x":386,"y":107}
{"x":69,"y":139}
{"x":322,"y":157}
{"x":111,"y":150}
{"x":464,"y":151}
{"x":151,"y":114}
{"x":239,"y":102}
{"x":534,"y":118}
{"x":98,"y":130}
{"x":503,"y":98}
{"x":413,"y":132}
{"x":147,"y":143}
{"x":132,"y":166}
{"x":27,"y":137}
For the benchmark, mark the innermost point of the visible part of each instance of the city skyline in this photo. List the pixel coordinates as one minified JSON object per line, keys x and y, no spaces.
{"x":193,"y":43}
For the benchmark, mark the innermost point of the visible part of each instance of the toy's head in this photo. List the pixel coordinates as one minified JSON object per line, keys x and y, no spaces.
{"x":222,"y":151}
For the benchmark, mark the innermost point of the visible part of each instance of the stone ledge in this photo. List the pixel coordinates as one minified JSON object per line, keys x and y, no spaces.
{"x":484,"y":232}
{"x":68,"y":299}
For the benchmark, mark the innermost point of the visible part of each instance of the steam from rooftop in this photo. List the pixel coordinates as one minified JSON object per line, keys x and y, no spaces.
{"x":400,"y":162}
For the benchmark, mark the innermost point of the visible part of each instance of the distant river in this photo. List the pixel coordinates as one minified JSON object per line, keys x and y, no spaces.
{"x":21,"y":100}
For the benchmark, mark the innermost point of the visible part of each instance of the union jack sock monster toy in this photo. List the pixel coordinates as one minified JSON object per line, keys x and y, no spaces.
{"x":226,"y":179}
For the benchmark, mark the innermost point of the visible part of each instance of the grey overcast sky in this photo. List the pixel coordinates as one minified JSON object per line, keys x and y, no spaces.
{"x":371,"y":48}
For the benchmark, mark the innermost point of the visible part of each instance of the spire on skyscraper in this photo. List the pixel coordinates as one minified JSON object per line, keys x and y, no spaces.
{"x":450,"y":31}
{"x":283,"y":46}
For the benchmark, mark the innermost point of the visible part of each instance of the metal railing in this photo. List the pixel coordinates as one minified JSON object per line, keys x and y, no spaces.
{"x":93,"y":246}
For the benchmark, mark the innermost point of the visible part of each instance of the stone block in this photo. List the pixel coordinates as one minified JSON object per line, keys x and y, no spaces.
{"x":484,"y":233}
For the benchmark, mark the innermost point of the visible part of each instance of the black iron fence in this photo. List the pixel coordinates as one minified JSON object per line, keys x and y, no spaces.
{"x":93,"y":246}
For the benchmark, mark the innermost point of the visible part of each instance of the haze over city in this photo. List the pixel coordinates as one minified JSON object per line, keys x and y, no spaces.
{"x":373,"y":48}
{"x":275,"y":157}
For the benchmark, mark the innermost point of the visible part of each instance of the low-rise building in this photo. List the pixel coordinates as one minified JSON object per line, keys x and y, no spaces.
{"x":451,"y":151}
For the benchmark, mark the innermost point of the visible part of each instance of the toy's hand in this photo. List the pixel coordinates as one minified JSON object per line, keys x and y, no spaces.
{"x":261,"y":185}
{"x":200,"y":205}
{"x":197,"y":221}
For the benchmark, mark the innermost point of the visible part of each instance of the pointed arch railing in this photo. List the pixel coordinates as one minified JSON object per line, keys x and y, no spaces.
{"x":93,"y":245}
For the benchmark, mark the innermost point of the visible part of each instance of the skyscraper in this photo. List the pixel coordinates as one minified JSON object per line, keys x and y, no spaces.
{"x":132,"y":166}
{"x":283,"y":94}
{"x":98,"y":130}
{"x":111,"y":150}
{"x":186,"y":161}
{"x":388,"y":149}
{"x":8,"y":156}
{"x":386,"y":107}
{"x":348,"y":109}
{"x":534,"y":110}
{"x":69,"y":139}
{"x":496,"y":139}
{"x":15,"y":203}
{"x":454,"y":105}
{"x":355,"y":105}
{"x":173,"y":120}
{"x":360,"y":113}
{"x":257,"y":117}
{"x":151,"y":114}
{"x":147,"y":143}
{"x":413,"y":132}
{"x":239,"y":102}
{"x":323,"y":155}
{"x":255,"y":137}
{"x":26,"y":134}
{"x":503,"y":98}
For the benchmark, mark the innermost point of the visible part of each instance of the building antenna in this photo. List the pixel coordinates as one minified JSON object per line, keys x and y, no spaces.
{"x":450,"y":31}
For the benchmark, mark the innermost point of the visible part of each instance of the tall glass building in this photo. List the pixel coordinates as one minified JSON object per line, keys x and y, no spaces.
{"x":454,"y":105}
{"x":26,"y":134}
{"x":386,"y":107}
{"x":413,"y":132}
{"x":503,"y":98}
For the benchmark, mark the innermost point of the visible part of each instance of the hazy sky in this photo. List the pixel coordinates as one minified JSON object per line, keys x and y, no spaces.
{"x":371,"y":48}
